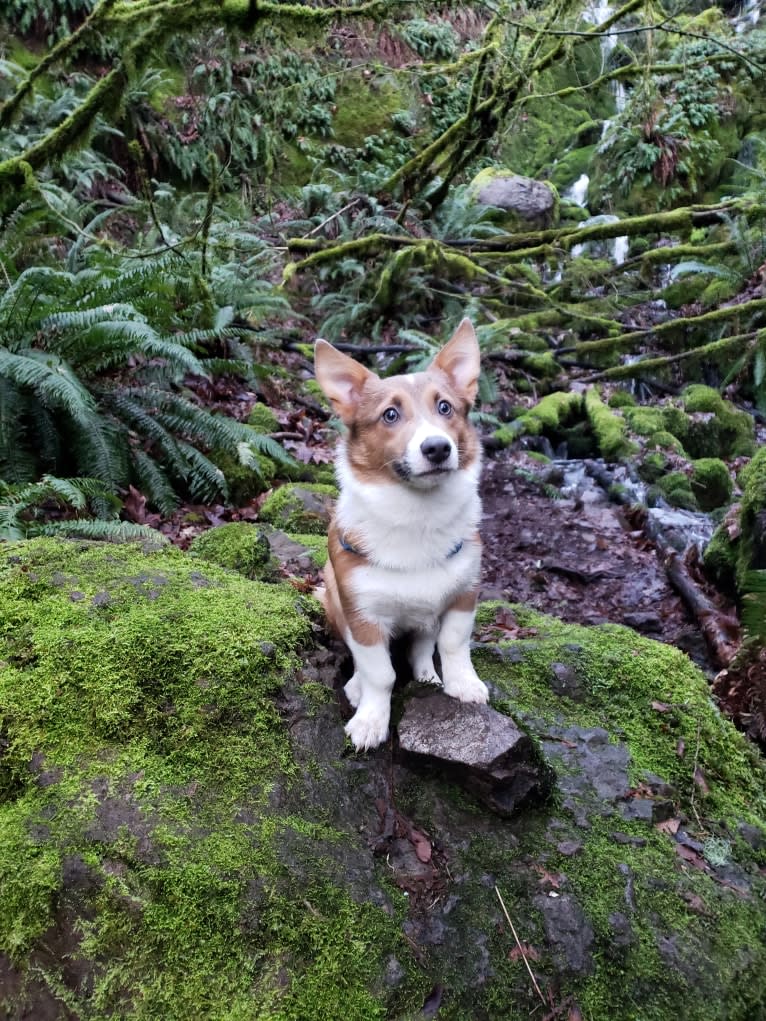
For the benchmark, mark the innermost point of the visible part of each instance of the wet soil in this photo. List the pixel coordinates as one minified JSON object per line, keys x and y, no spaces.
{"x":576,"y":557}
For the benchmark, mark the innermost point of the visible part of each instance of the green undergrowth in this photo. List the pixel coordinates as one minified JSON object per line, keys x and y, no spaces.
{"x":139,"y":811}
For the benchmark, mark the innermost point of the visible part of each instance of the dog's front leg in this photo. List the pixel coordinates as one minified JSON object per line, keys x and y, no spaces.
{"x":460,"y":679}
{"x":369,"y":691}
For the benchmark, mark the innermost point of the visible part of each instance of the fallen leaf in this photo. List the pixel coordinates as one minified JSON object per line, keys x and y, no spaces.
{"x":524,"y":950}
{"x":701,"y":782}
{"x":660,"y":707}
{"x":422,"y":845}
{"x":668,"y":826}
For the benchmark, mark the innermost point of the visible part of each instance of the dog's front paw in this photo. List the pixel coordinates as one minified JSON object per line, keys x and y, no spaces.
{"x":466,"y":687}
{"x":368,"y":727}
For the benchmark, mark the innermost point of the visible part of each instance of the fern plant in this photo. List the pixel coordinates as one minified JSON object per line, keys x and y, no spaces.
{"x":85,"y":508}
{"x":90,"y":387}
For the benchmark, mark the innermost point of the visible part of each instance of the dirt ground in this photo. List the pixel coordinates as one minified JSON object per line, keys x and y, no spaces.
{"x":575,"y":558}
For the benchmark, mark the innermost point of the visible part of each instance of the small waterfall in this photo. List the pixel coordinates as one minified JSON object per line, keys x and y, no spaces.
{"x":578,"y":192}
{"x":617,"y":247}
{"x":748,"y":17}
{"x":620,"y":247}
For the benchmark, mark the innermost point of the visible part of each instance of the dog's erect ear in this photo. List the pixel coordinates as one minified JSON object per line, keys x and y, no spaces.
{"x":340,"y":377}
{"x":460,"y":360}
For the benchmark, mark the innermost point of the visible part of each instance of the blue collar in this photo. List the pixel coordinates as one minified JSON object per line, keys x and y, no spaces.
{"x":346,"y":545}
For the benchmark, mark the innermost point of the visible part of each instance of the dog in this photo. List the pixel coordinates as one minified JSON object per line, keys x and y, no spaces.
{"x":404,"y":547}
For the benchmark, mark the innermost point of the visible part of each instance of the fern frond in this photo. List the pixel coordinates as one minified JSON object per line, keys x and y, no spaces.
{"x":96,"y":528}
{"x":152,"y":481}
{"x":50,"y":378}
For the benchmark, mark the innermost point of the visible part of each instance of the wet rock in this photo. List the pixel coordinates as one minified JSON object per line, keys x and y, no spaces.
{"x":593,"y":769}
{"x":482,"y":749}
{"x":566,"y":681}
{"x":568,"y":931}
{"x":292,"y":556}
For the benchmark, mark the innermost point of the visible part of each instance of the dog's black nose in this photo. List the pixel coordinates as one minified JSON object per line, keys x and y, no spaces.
{"x":436,"y":449}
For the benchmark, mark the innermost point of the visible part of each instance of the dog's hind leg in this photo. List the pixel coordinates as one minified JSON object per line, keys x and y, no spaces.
{"x":421,"y":657}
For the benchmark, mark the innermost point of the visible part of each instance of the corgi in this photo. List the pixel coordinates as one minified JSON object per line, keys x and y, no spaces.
{"x":404,"y":546}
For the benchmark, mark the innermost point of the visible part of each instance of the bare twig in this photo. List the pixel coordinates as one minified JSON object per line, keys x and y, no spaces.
{"x":521,"y":948}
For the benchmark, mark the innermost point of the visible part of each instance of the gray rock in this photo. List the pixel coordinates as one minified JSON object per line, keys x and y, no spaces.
{"x":481,"y":748}
{"x":569,"y":932}
{"x":533,"y":201}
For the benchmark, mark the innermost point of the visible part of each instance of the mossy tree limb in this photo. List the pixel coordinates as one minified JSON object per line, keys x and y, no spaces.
{"x":63,"y":49}
{"x":652,"y":365}
{"x":669,"y":328}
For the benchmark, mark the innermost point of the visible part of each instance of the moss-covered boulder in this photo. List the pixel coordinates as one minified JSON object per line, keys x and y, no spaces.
{"x":716,"y":427}
{"x":704,"y":426}
{"x":739,"y":546}
{"x":677,"y":489}
{"x":300,"y":507}
{"x":182,"y":833}
{"x":239,"y":546}
{"x":711,"y":483}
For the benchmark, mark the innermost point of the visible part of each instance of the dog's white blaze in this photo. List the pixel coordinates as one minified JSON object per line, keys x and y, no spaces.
{"x":414,"y":456}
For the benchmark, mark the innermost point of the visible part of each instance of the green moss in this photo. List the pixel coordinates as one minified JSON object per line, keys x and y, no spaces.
{"x":711,"y":483}
{"x":244,"y":483}
{"x":608,"y":427}
{"x":653,"y":466}
{"x":677,"y":490}
{"x":665,"y":441}
{"x":621,"y":399}
{"x":550,"y":412}
{"x":720,"y":559}
{"x":239,"y":546}
{"x":542,"y":365}
{"x":300,"y":507}
{"x":365,"y":107}
{"x":263,"y":418}
{"x":645,"y":421}
{"x":142,"y":747}
{"x":620,"y":674}
{"x":720,"y":429}
{"x":315,"y":544}
{"x":571,"y":166}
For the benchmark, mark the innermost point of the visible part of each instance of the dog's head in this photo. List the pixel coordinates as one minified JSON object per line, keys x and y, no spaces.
{"x":412,"y":428}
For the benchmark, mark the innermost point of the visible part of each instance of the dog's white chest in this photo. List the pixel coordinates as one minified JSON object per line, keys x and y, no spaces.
{"x":414,"y":600}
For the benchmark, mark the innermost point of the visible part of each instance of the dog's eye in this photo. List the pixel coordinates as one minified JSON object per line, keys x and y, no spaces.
{"x":390,"y":415}
{"x":444,"y":408}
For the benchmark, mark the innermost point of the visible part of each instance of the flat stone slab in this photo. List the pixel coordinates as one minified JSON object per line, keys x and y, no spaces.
{"x":478,"y":747}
